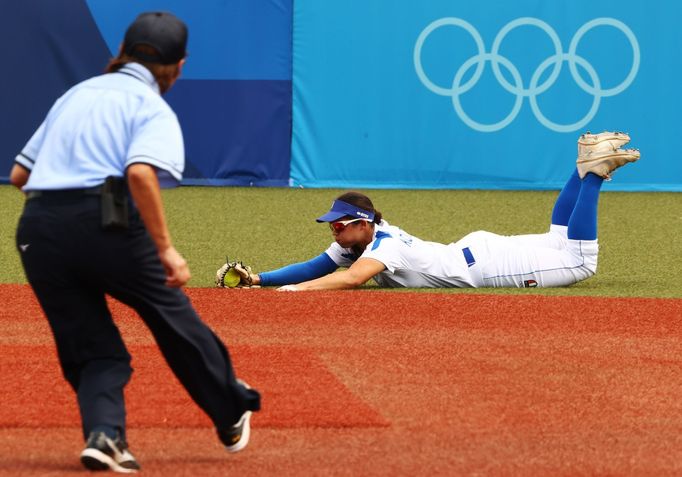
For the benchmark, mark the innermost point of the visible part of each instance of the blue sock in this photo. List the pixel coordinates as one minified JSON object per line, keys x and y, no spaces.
{"x":583,"y":222}
{"x":565,"y":203}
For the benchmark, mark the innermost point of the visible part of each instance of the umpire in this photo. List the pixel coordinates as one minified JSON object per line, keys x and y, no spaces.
{"x":93,"y":225}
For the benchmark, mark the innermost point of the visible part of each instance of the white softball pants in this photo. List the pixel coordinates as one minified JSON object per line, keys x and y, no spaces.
{"x":542,"y":260}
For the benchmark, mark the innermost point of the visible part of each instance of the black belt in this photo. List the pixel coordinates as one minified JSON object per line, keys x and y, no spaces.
{"x":63,"y":193}
{"x":469,"y":257}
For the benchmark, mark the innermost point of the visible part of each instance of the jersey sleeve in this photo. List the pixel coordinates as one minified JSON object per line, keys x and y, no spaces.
{"x":343,"y":257}
{"x":387,"y":250}
{"x":157,"y":141}
{"x":28,"y":155}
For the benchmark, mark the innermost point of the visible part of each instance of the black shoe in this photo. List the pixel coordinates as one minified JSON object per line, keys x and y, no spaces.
{"x":103,"y":453}
{"x":235,"y":438}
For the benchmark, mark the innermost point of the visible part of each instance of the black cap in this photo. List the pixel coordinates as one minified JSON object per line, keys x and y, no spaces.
{"x":163,"y":31}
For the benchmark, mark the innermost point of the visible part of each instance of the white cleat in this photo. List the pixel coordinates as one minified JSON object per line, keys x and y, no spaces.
{"x":604,"y":141}
{"x":603,"y":163}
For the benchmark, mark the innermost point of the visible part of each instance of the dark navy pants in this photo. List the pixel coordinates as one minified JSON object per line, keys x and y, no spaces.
{"x":71,"y":264}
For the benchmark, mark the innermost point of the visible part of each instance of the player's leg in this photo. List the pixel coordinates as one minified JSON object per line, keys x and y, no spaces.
{"x":598,"y":155}
{"x":582,"y":242}
{"x":561,"y":213}
{"x":509,"y":264}
{"x":582,"y":223}
{"x":550,"y":260}
{"x":525,"y":262}
{"x":577,"y":260}
{"x":565,"y":202}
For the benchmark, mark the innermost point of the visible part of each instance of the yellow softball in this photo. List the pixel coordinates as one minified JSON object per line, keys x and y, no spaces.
{"x":232,"y":278}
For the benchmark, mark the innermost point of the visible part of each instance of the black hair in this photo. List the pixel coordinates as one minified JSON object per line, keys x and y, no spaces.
{"x":362,"y":201}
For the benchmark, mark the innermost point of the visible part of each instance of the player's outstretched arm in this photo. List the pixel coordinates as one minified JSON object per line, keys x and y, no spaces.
{"x":295,"y":273}
{"x":298,"y":272}
{"x":358,"y":274}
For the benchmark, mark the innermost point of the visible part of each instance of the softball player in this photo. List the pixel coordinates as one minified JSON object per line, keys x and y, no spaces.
{"x":372,"y":248}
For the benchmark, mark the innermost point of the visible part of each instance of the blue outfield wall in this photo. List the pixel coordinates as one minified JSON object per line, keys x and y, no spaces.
{"x":233,"y":99}
{"x":383,"y":94}
{"x":490,"y":94}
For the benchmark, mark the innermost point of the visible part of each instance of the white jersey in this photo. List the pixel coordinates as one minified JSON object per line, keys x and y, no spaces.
{"x":410,"y":262}
{"x":480,"y":259}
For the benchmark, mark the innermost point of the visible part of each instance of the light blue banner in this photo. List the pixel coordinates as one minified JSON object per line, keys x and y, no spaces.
{"x":488,"y":94}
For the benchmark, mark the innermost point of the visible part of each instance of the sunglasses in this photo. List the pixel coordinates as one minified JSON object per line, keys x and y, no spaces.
{"x":341,"y":225}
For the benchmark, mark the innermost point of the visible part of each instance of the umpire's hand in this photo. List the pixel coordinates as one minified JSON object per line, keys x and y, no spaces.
{"x":177,"y":271}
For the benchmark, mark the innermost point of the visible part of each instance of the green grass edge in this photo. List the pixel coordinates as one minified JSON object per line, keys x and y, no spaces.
{"x":640,"y":248}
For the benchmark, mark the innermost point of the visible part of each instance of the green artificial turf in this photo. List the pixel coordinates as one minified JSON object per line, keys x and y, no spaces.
{"x":639,"y":233}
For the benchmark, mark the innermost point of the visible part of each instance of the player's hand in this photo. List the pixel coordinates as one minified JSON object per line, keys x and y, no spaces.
{"x":288,"y":288}
{"x":177,"y":270}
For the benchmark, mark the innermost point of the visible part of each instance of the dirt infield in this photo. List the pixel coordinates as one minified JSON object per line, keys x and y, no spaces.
{"x":380,"y":383}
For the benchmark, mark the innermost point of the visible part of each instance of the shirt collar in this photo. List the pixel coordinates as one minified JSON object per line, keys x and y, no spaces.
{"x":143,"y":74}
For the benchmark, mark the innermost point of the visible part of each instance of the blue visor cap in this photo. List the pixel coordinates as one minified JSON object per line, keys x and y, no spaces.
{"x":342,"y":209}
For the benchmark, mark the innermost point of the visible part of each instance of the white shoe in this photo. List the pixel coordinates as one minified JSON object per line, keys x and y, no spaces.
{"x":604,"y":141}
{"x":603,"y":163}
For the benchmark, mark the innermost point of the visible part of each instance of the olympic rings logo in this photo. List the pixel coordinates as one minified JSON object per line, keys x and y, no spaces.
{"x":517,"y":88}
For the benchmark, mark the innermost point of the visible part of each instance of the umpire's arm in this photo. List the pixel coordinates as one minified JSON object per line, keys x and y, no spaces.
{"x":144,"y":187}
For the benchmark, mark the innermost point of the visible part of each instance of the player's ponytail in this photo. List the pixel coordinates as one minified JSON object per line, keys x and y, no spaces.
{"x":362,"y":201}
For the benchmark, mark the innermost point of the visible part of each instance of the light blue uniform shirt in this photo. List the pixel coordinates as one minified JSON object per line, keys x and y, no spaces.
{"x":100,"y":127}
